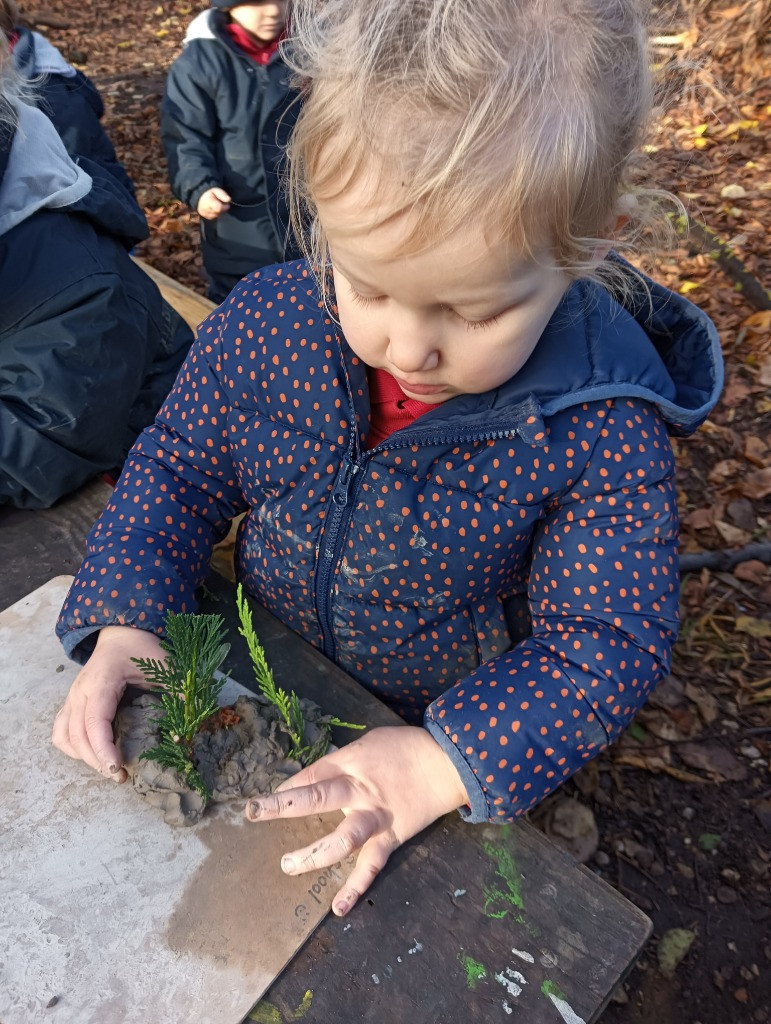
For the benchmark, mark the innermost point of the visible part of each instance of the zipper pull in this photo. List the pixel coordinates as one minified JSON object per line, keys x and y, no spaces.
{"x":342,"y":489}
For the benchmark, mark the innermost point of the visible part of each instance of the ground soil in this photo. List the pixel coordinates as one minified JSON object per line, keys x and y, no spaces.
{"x":683,"y":805}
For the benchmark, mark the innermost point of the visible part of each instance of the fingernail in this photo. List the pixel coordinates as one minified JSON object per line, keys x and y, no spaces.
{"x":341,"y":908}
{"x":254,"y":808}
{"x":287,"y":864}
{"x":114,"y":769}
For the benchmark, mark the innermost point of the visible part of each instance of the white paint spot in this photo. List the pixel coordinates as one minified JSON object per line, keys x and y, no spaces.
{"x":398,"y":959}
{"x":548,"y":959}
{"x":524,"y":955}
{"x":512,"y":981}
{"x":506,"y":1007}
{"x":459,"y":892}
{"x":417,"y":948}
{"x":376,"y":979}
{"x":347,"y":927}
{"x":566,"y":1011}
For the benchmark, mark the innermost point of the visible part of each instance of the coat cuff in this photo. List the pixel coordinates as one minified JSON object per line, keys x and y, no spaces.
{"x":196,"y":194}
{"x":476,"y":811}
{"x":79,"y":644}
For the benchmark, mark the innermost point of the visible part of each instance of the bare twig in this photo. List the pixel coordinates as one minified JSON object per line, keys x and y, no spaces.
{"x":700,"y":238}
{"x":725,"y":559}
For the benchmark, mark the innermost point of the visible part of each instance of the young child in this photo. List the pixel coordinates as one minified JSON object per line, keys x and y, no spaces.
{"x":448,"y":428}
{"x":65,"y":95}
{"x":225,"y":120}
{"x":88,"y":346}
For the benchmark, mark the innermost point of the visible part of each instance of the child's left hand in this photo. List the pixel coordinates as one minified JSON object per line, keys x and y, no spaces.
{"x":390,"y":784}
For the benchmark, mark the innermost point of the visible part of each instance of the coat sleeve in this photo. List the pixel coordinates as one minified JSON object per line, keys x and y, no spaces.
{"x":189,"y":129}
{"x":70,"y":371}
{"x":603,"y":596}
{"x":150,"y":548}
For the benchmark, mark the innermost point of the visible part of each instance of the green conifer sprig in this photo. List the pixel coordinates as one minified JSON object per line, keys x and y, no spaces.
{"x":288,"y":704}
{"x":189,"y":688}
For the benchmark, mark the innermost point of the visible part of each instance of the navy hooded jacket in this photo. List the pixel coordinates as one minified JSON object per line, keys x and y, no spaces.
{"x":225,"y":121}
{"x":88,"y":347}
{"x":504,"y":568}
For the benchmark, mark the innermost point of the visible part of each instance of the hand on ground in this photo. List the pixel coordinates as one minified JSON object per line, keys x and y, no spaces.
{"x":213,"y":202}
{"x":390,"y":784}
{"x":83,"y":725}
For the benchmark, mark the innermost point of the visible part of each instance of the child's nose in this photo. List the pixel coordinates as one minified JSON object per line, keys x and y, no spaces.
{"x":413,"y":346}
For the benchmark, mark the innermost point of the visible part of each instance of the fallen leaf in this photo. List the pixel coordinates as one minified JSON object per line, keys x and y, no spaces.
{"x":759,"y":321}
{"x":701,"y":518}
{"x":760,"y":628}
{"x":758,"y":484}
{"x":688,"y":286}
{"x":714,"y":759}
{"x":705,"y":702}
{"x":673,"y":948}
{"x":733,"y":192}
{"x":571,"y":825}
{"x":725,"y":470}
{"x":709,"y":841}
{"x":752,"y":571}
{"x":755,"y":450}
{"x":732,"y":534}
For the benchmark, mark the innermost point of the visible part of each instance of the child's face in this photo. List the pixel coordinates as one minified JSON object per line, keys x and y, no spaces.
{"x":461,"y":317}
{"x":265,"y":19}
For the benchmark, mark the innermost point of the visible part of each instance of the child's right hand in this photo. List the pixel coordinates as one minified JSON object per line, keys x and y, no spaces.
{"x":83,"y":725}
{"x":213,"y":202}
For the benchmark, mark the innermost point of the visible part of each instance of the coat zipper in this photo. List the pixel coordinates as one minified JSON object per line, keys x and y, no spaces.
{"x":342,"y":506}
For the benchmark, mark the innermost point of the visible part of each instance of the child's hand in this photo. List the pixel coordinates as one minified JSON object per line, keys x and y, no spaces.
{"x":83,"y":725}
{"x":212,"y":203}
{"x":390,"y":785}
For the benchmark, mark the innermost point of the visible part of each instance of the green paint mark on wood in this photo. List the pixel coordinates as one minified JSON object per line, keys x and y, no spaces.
{"x":304,"y":1006}
{"x":266,"y":1013}
{"x":475,"y":971}
{"x":550,"y":988}
{"x":509,"y":874}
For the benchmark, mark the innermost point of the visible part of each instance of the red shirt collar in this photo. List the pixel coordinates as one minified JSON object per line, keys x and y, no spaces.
{"x":259,"y":52}
{"x":390,"y":408}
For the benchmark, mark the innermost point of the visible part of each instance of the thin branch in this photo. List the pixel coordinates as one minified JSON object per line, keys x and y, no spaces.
{"x":725,"y":560}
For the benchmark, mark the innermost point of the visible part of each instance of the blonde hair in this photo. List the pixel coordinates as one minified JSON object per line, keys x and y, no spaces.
{"x":518,"y":115}
{"x":9,"y":16}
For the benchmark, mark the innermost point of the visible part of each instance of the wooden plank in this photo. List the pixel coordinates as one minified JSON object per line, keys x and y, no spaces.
{"x":581,"y":934}
{"x":456,"y":902}
{"x":193,"y":308}
{"x":36,"y":546}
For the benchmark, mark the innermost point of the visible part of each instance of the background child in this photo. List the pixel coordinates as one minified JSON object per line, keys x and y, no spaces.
{"x":448,"y":429}
{"x":65,"y":95}
{"x":88,"y":347}
{"x":225,"y":119}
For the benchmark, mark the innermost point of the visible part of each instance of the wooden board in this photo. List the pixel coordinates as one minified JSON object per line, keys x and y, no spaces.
{"x":108,"y":914}
{"x":193,"y":308}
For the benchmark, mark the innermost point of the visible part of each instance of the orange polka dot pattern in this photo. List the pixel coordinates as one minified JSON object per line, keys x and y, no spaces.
{"x":400,"y":562}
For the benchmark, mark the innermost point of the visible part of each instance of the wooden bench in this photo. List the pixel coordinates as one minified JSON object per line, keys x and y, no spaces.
{"x":466,"y":923}
{"x":193,"y":308}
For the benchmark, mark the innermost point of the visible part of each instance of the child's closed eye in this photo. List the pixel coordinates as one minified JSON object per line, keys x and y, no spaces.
{"x":476,"y":325}
{"x":365,"y":300}
{"x":471,"y":325}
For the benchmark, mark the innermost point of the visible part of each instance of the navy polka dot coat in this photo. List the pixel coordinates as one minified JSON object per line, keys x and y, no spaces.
{"x":504,"y":568}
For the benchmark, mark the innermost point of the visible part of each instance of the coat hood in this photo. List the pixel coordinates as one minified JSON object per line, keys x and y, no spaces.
{"x":35,"y":171}
{"x":33,"y":55}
